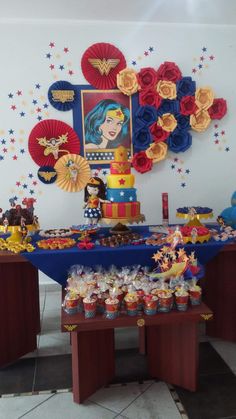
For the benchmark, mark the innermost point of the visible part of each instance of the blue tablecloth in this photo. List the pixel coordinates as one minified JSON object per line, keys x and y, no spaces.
{"x":56,"y":263}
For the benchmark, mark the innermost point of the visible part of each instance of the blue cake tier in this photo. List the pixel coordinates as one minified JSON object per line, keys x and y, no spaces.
{"x":121,"y":195}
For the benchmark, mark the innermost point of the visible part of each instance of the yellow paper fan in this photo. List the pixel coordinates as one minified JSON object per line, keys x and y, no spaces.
{"x":73,"y":172}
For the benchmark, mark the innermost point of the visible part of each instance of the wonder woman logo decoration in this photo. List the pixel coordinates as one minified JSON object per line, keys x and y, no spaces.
{"x":101,"y":63}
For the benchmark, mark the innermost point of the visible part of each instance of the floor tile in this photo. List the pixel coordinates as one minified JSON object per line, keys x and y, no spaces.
{"x":53,"y":373}
{"x":210,"y":362}
{"x":227,"y":351}
{"x":53,"y":301}
{"x":51,"y":321}
{"x":15,"y":407}
{"x":155,"y":402}
{"x":17,"y":377}
{"x":49,"y":345}
{"x":119,"y":397}
{"x":61,"y":406}
{"x":130,"y":366}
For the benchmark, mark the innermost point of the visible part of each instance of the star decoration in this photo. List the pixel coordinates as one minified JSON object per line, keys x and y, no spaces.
{"x":31,"y":191}
{"x":194,"y":70}
{"x":157,"y":256}
{"x":216,"y":134}
{"x":34,"y":101}
{"x":61,"y":67}
{"x":52,"y":66}
{"x":211,"y":57}
{"x":25,"y":186}
{"x":216,"y":141}
{"x":48,"y":55}
{"x":15,"y":157}
{"x":19,"y":93}
{"x":181,"y":253}
{"x":38,"y":109}
{"x":121,"y":181}
{"x":11,"y":131}
{"x":22,"y":113}
{"x":45,"y":105}
{"x":146,"y":53}
{"x":35,"y":182}
{"x":13,"y":107}
{"x":52,"y":44}
{"x":172,"y":166}
{"x":1,"y":157}
{"x":18,"y":184}
{"x":30,"y":175}
{"x":3,"y":141}
{"x":22,"y":150}
{"x":151,"y":49}
{"x":10,"y":95}
{"x":4,"y":150}
{"x":66,"y":49}
{"x":70,"y":72}
{"x":134,"y":63}
{"x":39,"y":118}
{"x":179,"y":170}
{"x":187,"y":171}
{"x":37,"y":86}
{"x":122,"y":193}
{"x":204,"y":49}
{"x":227,"y":149}
{"x":183,"y":184}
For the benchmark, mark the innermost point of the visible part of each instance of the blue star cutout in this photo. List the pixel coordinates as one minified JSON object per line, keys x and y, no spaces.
{"x":15,"y":198}
{"x":104,"y":172}
{"x":61,"y":67}
{"x":25,"y":186}
{"x":151,"y":49}
{"x":227,"y":149}
{"x":10,"y":95}
{"x":34,"y":102}
{"x":216,"y":134}
{"x":22,"y":113}
{"x":172,"y":166}
{"x":31,"y":191}
{"x":199,"y":65}
{"x":134,"y":63}
{"x":1,"y":157}
{"x":39,"y":118}
{"x":37,"y":86}
{"x":30,"y":175}
{"x":3,"y":141}
{"x":204,"y":49}
{"x":22,"y":150}
{"x":187,"y":171}
{"x":48,"y":55}
{"x":11,"y":131}
{"x":45,"y":105}
{"x":183,"y":184}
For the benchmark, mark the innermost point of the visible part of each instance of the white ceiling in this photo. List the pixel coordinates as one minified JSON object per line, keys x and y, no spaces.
{"x":178,"y":11}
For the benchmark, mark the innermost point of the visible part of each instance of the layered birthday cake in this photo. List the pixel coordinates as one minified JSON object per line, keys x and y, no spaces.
{"x":120,"y":190}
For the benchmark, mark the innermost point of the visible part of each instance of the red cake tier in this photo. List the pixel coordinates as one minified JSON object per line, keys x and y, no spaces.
{"x":121,"y":209}
{"x":120,"y":167}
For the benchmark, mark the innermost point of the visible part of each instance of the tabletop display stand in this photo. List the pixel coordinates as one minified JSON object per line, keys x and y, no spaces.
{"x":171,"y":346}
{"x":19,"y":308}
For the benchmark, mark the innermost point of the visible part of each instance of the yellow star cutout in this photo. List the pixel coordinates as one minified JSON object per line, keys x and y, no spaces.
{"x":2,"y":132}
{"x":42,"y":98}
{"x":181,"y":253}
{"x":46,"y":114}
{"x":21,"y":140}
{"x":164,"y":266}
{"x":69,"y":63}
{"x":157,"y":256}
{"x":22,"y":131}
{"x":55,"y":76}
{"x":24,"y":103}
{"x":31,"y":92}
{"x":58,"y":56}
{"x":165,"y":249}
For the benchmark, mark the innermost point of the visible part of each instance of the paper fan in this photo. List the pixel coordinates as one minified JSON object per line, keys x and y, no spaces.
{"x":73,"y":173}
{"x":62,"y":95}
{"x":101,"y":63}
{"x":51,"y":139}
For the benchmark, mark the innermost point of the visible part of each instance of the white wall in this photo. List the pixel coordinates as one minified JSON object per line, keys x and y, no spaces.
{"x":24,"y":64}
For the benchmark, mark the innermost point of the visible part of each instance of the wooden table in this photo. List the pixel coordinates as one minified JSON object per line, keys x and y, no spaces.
{"x":19,"y":307}
{"x":171,"y":345}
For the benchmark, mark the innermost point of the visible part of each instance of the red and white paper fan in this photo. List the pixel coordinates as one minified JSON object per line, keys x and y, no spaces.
{"x":51,"y":139}
{"x":101,"y":63}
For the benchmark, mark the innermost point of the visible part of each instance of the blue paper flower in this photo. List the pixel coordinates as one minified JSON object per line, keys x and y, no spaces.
{"x":146,"y":115}
{"x":168,"y":106}
{"x":183,"y":122}
{"x":185,"y":87}
{"x":141,"y":139}
{"x":179,"y":141}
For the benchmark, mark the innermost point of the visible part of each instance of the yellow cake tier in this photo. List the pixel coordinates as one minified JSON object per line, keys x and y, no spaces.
{"x":120,"y":181}
{"x":199,"y":239}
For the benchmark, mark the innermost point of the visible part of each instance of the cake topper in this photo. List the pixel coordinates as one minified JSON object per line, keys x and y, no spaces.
{"x":94,"y":195}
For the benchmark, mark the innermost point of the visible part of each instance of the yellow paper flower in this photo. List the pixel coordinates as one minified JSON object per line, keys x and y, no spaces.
{"x":127,"y":81}
{"x":157,"y":151}
{"x":166,"y":89}
{"x":200,"y":121}
{"x":168,"y":122}
{"x":204,"y":97}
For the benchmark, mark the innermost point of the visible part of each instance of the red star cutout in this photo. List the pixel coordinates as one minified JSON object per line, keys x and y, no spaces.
{"x":216,"y":126}
{"x":66,"y":50}
{"x":70,"y":72}
{"x":12,"y":140}
{"x":179,"y":170}
{"x":15,"y":157}
{"x":146,"y":53}
{"x":121,"y":181}
{"x":38,"y":109}
{"x":52,"y":66}
{"x":202,"y":58}
{"x":19,"y":93}
{"x":35,"y":182}
{"x":176,"y":159}
{"x":194,"y":70}
{"x":216,"y":141}
{"x":211,"y":57}
{"x":13,"y":107}
{"x":52,"y":44}
{"x":222,"y":132}
{"x":5,"y":150}
{"x":17,"y":183}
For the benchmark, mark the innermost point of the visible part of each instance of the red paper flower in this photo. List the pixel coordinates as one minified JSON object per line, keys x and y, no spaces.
{"x":86,"y":245}
{"x":147,"y":78}
{"x":169,"y":71}
{"x":149,"y":97}
{"x":158,"y":133}
{"x":141,"y":162}
{"x":188,"y":105}
{"x":218,"y":109}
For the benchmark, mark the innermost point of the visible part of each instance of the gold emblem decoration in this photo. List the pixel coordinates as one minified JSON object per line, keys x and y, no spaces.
{"x":47,"y":175}
{"x":70,"y":327}
{"x":207,"y":316}
{"x":140,"y":322}
{"x":63,"y":96}
{"x":104,"y":66}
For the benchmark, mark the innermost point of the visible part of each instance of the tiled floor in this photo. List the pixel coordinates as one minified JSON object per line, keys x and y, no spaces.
{"x":39,"y":384}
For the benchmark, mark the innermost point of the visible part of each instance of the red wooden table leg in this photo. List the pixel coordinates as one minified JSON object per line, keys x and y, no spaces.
{"x":173,"y":353}
{"x":93,"y":362}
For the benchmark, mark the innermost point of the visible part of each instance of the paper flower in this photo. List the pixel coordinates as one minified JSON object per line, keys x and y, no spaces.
{"x":158,"y":133}
{"x":168,"y":106}
{"x":141,"y":139}
{"x":188,"y":105}
{"x":218,"y":109}
{"x":185,"y":87}
{"x":149,"y":97}
{"x":168,"y":122}
{"x":146,"y":115}
{"x":157,"y":151}
{"x":169,"y":71}
{"x":141,"y":162}
{"x":179,"y":141}
{"x":204,"y":97}
{"x":166,"y":89}
{"x":147,"y":78}
{"x":127,"y":81}
{"x":183,"y":122}
{"x":200,"y":121}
